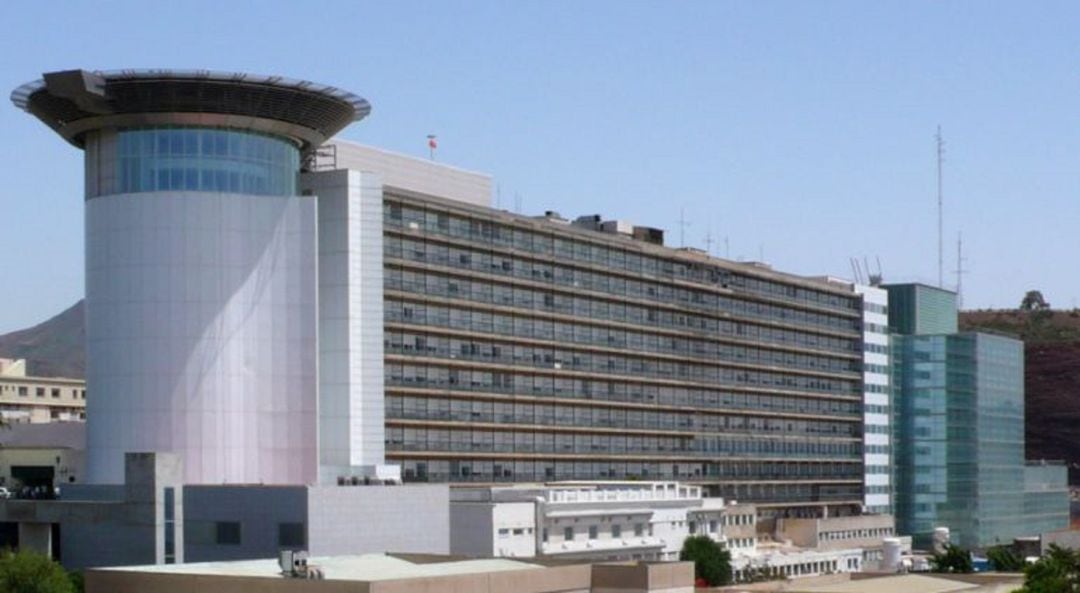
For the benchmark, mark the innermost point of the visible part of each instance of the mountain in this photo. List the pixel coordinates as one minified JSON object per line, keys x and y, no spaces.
{"x":55,"y":348}
{"x":1051,"y":377}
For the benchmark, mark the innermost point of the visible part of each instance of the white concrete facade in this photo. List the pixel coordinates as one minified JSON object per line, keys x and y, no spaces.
{"x":602,"y":521}
{"x":201,"y":330}
{"x":413,"y":174}
{"x":584,"y":520}
{"x":351,"y":405}
{"x":877,"y":455}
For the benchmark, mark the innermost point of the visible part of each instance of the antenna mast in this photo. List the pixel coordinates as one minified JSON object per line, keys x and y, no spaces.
{"x":960,"y":270}
{"x":940,"y":216}
{"x":682,"y":227}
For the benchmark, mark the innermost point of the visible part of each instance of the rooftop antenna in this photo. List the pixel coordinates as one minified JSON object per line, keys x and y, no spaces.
{"x":727,"y":248}
{"x":683,"y":223}
{"x":708,"y":242}
{"x":855,"y":270}
{"x":960,"y":270}
{"x":940,"y":216}
{"x":877,"y":280}
{"x":517,"y":203}
{"x":498,"y":196}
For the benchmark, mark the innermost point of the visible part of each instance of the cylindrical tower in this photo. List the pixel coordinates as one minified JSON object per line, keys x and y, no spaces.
{"x":200,"y":265}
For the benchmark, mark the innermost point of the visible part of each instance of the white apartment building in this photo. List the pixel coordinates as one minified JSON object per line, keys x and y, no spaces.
{"x":25,"y":398}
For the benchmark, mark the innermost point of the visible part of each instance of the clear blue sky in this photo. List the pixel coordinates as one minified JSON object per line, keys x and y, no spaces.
{"x":803,"y":130}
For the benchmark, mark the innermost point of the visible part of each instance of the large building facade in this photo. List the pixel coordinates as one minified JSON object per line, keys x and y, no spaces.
{"x":276,"y":309}
{"x":534,"y":349}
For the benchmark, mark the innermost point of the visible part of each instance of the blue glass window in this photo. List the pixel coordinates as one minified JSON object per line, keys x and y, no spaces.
{"x":204,"y":159}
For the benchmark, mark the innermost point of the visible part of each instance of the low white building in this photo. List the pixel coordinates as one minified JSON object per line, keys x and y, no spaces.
{"x":595,"y":520}
{"x":649,"y":521}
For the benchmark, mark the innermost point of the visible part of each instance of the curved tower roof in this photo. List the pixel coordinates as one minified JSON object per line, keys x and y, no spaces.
{"x":73,"y":102}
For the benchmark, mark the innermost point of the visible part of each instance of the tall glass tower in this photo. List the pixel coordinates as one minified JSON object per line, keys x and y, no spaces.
{"x":958,"y":427}
{"x":201,"y":289}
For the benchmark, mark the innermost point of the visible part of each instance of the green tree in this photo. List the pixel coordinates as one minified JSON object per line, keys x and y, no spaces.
{"x":953,"y":559}
{"x":712,"y":563}
{"x":1003,"y":560}
{"x":27,"y":572}
{"x":1056,"y":572}
{"x":1034,"y":301}
{"x":78,"y":583}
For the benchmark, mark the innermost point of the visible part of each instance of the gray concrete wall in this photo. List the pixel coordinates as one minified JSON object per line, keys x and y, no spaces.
{"x":258,"y":509}
{"x":125,"y":532}
{"x":363,"y":519}
{"x":471,"y":529}
{"x":106,"y":543}
{"x":36,"y":537}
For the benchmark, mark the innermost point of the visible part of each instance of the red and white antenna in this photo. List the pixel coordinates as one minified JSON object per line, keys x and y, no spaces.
{"x":432,"y":144}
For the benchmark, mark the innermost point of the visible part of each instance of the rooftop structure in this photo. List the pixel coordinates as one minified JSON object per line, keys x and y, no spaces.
{"x":77,"y":102}
{"x":397,"y":573}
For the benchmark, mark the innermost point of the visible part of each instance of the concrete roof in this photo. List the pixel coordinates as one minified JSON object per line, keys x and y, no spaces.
{"x":911,"y":583}
{"x":366,"y":567}
{"x":50,"y":435}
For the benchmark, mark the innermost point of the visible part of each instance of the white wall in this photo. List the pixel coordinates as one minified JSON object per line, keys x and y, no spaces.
{"x":377,"y":519}
{"x":514,"y":525}
{"x":351,"y":402}
{"x":201,"y":328}
{"x":875,"y":478}
{"x":415,"y":174}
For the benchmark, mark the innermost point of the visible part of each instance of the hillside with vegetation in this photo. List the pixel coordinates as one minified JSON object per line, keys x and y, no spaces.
{"x":1052,"y":374}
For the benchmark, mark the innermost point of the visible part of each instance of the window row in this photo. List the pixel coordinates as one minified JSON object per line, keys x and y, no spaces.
{"x":647,"y":369}
{"x":524,"y":326}
{"x":486,"y":441}
{"x":548,"y":414}
{"x":40,"y":391}
{"x":615,"y":531}
{"x":430,"y":220}
{"x":440,"y":377}
{"x":544,"y":271}
{"x":437,"y":346}
{"x":194,"y":159}
{"x":531,"y":299}
{"x":790,"y":492}
{"x":488,"y":470}
{"x":231,"y":533}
